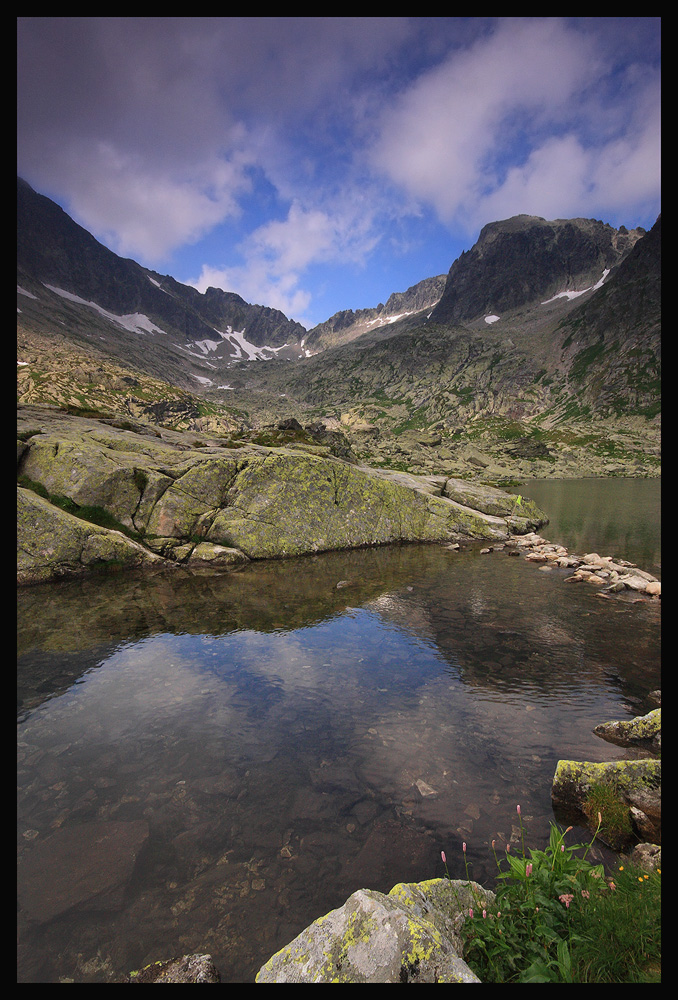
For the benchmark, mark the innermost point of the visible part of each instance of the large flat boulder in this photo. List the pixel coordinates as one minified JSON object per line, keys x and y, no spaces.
{"x":173,"y":501}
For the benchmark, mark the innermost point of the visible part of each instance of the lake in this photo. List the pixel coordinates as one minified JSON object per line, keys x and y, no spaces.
{"x":208,"y":763}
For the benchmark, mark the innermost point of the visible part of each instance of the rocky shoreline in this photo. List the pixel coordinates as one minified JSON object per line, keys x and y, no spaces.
{"x":611,"y":576}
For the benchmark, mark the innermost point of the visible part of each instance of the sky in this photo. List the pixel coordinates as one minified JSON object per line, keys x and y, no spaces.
{"x":314,"y":164}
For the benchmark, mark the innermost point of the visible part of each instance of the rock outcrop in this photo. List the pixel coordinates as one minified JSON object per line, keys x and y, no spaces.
{"x":95,"y":494}
{"x":634,"y":788}
{"x":410,"y":935}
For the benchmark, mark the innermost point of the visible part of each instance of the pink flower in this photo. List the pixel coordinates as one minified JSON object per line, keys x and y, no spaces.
{"x":518,"y":808}
{"x":484,"y":914}
{"x":442,"y":855}
{"x":470,"y":912}
{"x":528,"y":868}
{"x":463,"y":847}
{"x":566,"y":898}
{"x":585,"y":893}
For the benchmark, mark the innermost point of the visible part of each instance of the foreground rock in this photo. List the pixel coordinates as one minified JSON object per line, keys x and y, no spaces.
{"x":410,"y":935}
{"x":95,"y":494}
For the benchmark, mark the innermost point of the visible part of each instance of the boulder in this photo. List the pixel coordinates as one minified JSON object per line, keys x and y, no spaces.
{"x":644,"y":732}
{"x":52,"y":543}
{"x":410,"y":935}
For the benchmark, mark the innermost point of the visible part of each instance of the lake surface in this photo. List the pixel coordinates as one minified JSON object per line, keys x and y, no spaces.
{"x":209,"y":763}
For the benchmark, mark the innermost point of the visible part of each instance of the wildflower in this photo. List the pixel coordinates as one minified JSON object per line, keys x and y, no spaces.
{"x":612,"y":885}
{"x":562,"y":848}
{"x":463,"y":847}
{"x":508,"y":848}
{"x":566,"y":898}
{"x":528,"y":868}
{"x":518,"y":808}
{"x":585,"y":893}
{"x":470,"y":912}
{"x":484,"y":914}
{"x":442,"y":855}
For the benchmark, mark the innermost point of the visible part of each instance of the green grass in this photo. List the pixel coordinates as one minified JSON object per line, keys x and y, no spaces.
{"x":558,"y":918}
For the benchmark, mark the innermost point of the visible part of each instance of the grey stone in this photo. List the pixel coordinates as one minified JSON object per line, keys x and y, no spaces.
{"x":410,"y":935}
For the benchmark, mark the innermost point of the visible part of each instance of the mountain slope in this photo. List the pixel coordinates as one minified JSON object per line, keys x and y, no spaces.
{"x":56,"y":255}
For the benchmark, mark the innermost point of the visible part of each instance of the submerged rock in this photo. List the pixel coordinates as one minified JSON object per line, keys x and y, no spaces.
{"x":87,"y":867}
{"x":410,"y":935}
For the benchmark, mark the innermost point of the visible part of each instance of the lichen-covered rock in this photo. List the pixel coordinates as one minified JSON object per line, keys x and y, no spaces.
{"x":635,"y":783}
{"x":644,"y":732}
{"x":189,"y":505}
{"x":52,"y":543}
{"x":647,"y":856}
{"x":408,"y":936}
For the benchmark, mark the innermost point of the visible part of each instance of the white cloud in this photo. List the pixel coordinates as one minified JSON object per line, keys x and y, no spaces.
{"x":515,"y":124}
{"x":278,"y":253}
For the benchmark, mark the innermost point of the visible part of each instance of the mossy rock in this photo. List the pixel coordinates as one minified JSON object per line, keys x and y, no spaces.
{"x":633,"y":784}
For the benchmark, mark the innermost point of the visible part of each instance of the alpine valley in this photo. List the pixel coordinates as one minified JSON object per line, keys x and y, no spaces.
{"x":538,"y":354}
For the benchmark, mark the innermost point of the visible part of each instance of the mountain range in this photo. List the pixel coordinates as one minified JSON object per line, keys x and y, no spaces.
{"x":537,"y":354}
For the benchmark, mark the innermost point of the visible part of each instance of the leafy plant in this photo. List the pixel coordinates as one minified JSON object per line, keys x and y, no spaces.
{"x":557,"y":918}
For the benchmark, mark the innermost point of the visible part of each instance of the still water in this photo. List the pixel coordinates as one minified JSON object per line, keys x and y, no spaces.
{"x":208,"y":763}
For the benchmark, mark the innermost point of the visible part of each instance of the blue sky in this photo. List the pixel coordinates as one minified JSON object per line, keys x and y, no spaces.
{"x":318,"y":164}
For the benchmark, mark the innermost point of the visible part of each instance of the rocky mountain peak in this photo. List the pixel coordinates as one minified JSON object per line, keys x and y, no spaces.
{"x":523,"y":258}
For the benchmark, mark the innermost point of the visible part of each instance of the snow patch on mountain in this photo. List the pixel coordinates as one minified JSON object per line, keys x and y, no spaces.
{"x":134,"y":322}
{"x":573,"y":295}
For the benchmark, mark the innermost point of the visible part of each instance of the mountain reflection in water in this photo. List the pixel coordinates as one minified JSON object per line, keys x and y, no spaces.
{"x":275,"y":738}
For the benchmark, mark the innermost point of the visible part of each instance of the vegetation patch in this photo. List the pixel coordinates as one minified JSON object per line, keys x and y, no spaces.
{"x":558,"y":918}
